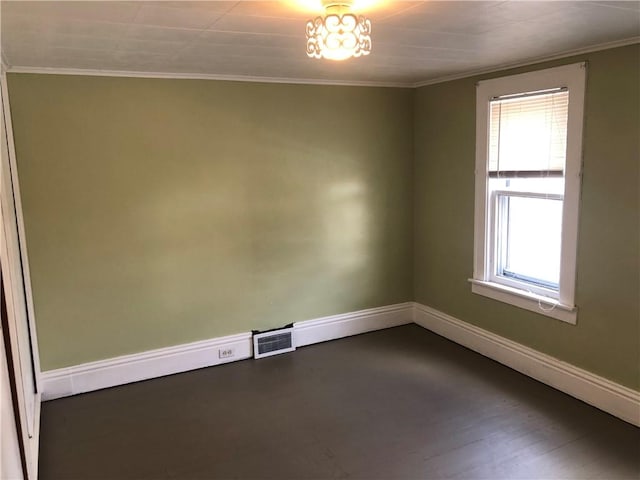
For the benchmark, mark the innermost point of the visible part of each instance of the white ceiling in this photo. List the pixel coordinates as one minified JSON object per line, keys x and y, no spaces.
{"x":413,"y":41}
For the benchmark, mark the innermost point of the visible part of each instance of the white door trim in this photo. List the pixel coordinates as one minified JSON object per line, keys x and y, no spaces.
{"x":28,"y":402}
{"x":21,"y":231}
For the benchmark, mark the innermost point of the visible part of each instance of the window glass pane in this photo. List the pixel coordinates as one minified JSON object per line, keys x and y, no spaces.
{"x":528,"y":133}
{"x":530,"y":249}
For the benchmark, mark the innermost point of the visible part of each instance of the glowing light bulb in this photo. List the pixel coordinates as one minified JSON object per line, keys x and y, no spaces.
{"x":339,"y":34}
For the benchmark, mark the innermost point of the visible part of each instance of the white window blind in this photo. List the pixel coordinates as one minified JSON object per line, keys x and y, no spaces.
{"x":528,"y":133}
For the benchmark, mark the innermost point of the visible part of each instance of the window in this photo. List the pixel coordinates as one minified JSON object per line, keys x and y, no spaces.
{"x":528,"y":167}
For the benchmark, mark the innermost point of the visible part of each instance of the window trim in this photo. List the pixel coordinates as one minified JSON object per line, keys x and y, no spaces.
{"x":572,"y":77}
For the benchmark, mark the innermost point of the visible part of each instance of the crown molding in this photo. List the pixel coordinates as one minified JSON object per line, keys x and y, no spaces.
{"x":311,"y":81}
{"x":200,"y":76}
{"x":532,"y":61}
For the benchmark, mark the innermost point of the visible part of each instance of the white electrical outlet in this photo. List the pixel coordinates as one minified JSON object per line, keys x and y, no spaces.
{"x":227,"y":352}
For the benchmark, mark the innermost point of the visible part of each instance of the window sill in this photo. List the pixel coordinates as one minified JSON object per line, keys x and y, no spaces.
{"x":528,"y":301}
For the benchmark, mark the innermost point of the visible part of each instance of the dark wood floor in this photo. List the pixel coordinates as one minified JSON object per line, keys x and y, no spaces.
{"x":398,"y":403}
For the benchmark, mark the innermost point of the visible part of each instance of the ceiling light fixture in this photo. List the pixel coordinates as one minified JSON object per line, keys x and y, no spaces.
{"x":339,"y":34}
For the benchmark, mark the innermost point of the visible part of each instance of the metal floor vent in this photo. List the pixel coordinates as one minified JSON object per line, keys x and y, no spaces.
{"x":273,"y":342}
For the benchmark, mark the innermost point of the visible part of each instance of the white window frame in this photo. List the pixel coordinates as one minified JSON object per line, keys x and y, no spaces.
{"x":560,"y":305}
{"x":495,"y":263}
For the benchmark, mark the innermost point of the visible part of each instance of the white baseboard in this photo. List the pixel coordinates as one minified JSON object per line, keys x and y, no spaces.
{"x":111,"y":372}
{"x":142,"y":366}
{"x":604,"y":394}
{"x":347,"y":324}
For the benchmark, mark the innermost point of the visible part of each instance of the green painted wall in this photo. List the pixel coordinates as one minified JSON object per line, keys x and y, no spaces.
{"x":606,"y":339}
{"x":160,"y":212}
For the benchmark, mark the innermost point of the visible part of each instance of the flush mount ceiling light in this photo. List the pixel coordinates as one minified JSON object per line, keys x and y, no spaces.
{"x":339,"y":34}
